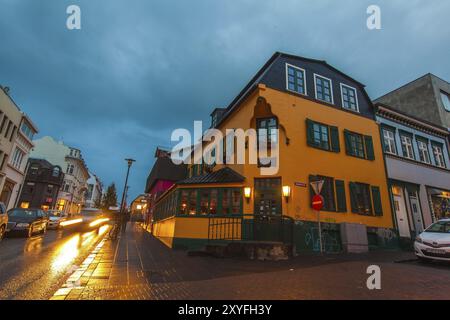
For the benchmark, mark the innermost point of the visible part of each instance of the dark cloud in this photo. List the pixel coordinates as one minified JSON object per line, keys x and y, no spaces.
{"x":139,"y":68}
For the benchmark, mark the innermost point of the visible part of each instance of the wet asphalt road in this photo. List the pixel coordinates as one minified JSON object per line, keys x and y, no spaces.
{"x":35,"y":268}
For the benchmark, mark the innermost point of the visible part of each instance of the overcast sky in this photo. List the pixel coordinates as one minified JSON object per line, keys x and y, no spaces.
{"x":140,"y":68}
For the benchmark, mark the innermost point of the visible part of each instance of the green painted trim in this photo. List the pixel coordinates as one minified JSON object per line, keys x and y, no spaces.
{"x":188,"y":244}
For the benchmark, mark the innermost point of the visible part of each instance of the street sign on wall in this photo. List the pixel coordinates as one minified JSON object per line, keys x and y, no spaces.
{"x":317,"y":186}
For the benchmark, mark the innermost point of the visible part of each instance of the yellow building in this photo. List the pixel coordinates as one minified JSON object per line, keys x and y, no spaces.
{"x":326,"y":131}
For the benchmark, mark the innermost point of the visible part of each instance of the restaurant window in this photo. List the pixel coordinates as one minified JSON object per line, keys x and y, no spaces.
{"x":226,"y":201}
{"x":204,"y":201}
{"x":184,"y":201}
{"x":192,"y":205}
{"x":295,"y":79}
{"x":236,"y":201}
{"x":389,"y":141}
{"x":213,"y":202}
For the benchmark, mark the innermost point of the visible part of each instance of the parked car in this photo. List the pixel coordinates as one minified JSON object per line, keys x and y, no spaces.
{"x":55,"y":217}
{"x":3,"y":220}
{"x":27,"y":221}
{"x":434,"y":242}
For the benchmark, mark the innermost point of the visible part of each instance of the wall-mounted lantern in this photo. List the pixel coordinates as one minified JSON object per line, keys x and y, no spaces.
{"x":286,"y":192}
{"x":247,"y":193}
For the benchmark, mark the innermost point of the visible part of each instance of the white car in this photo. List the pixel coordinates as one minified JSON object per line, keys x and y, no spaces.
{"x":434,"y":242}
{"x":55,"y":217}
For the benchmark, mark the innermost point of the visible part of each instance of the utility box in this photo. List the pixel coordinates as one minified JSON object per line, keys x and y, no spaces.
{"x":354,"y":238}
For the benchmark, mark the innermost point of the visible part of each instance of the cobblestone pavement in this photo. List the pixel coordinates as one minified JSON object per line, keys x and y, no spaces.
{"x":138,"y":266}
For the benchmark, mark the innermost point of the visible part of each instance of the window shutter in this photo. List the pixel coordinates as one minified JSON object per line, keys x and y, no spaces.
{"x":369,"y":147}
{"x":309,"y":132}
{"x":334,"y":133}
{"x":340,"y":195}
{"x":348,"y":148}
{"x":376,"y":197}
{"x":353,"y":197}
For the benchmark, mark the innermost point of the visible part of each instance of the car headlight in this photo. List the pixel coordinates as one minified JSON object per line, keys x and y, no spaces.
{"x":419,"y":239}
{"x":22,"y":225}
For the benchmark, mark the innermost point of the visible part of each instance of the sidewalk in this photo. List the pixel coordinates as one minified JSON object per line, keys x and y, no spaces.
{"x":138,"y":266}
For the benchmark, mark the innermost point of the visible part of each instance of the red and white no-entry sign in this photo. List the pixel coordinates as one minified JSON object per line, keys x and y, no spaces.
{"x":317,"y":202}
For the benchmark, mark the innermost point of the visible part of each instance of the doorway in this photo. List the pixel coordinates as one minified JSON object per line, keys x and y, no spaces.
{"x":401,"y":214}
{"x":268,"y":196}
{"x":416,"y":213}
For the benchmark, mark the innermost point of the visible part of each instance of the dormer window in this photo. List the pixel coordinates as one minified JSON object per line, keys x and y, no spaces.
{"x":349,"y":98}
{"x":324,"y":91}
{"x":445,"y":100}
{"x":295,"y":79}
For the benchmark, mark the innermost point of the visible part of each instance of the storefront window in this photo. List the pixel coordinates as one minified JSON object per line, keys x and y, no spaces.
{"x":440,"y":203}
{"x":213,"y":202}
{"x":184,"y":201}
{"x":192,"y":202}
{"x":236,"y":201}
{"x":226,"y":201}
{"x":204,"y":200}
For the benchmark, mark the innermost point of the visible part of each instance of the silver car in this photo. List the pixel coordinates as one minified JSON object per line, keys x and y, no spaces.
{"x":55,"y":217}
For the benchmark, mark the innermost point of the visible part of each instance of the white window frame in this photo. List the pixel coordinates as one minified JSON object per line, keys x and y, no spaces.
{"x":440,"y":155}
{"x":410,"y":145}
{"x":421,"y":150}
{"x":287,"y":79}
{"x":17,"y":159}
{"x":331,"y":88}
{"x":393,"y":140}
{"x":356,"y":97}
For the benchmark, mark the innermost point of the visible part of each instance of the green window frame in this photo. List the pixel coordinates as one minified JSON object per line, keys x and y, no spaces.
{"x":358,"y":145}
{"x":322,"y":136}
{"x":327,"y":192}
{"x":340,"y":196}
{"x":360,"y":196}
{"x":206,"y":201}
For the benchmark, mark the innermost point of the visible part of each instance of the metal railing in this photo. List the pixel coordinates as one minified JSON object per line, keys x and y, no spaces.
{"x":249,"y":227}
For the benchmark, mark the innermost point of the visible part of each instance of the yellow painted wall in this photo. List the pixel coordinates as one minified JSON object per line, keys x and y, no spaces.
{"x":165,"y":230}
{"x":196,"y":228}
{"x":298,"y":160}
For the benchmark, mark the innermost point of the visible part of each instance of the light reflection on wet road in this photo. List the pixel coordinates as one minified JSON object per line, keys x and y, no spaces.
{"x":35,"y":268}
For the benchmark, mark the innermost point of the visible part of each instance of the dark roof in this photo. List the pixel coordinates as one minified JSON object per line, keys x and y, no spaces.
{"x":165,"y":169}
{"x":224,"y":175}
{"x":252,"y":84}
{"x":42,"y":162}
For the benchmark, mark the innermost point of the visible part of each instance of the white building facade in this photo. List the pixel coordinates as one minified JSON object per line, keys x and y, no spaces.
{"x":71,"y":197}
{"x":94,"y":191}
{"x":16,"y":135}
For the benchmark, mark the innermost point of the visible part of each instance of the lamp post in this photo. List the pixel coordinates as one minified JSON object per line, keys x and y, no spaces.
{"x":129,"y":163}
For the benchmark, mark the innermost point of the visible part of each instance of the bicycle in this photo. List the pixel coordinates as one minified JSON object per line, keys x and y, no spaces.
{"x":114,"y":232}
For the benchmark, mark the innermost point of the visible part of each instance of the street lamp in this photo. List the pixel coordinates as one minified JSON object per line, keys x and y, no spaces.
{"x":129,"y":163}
